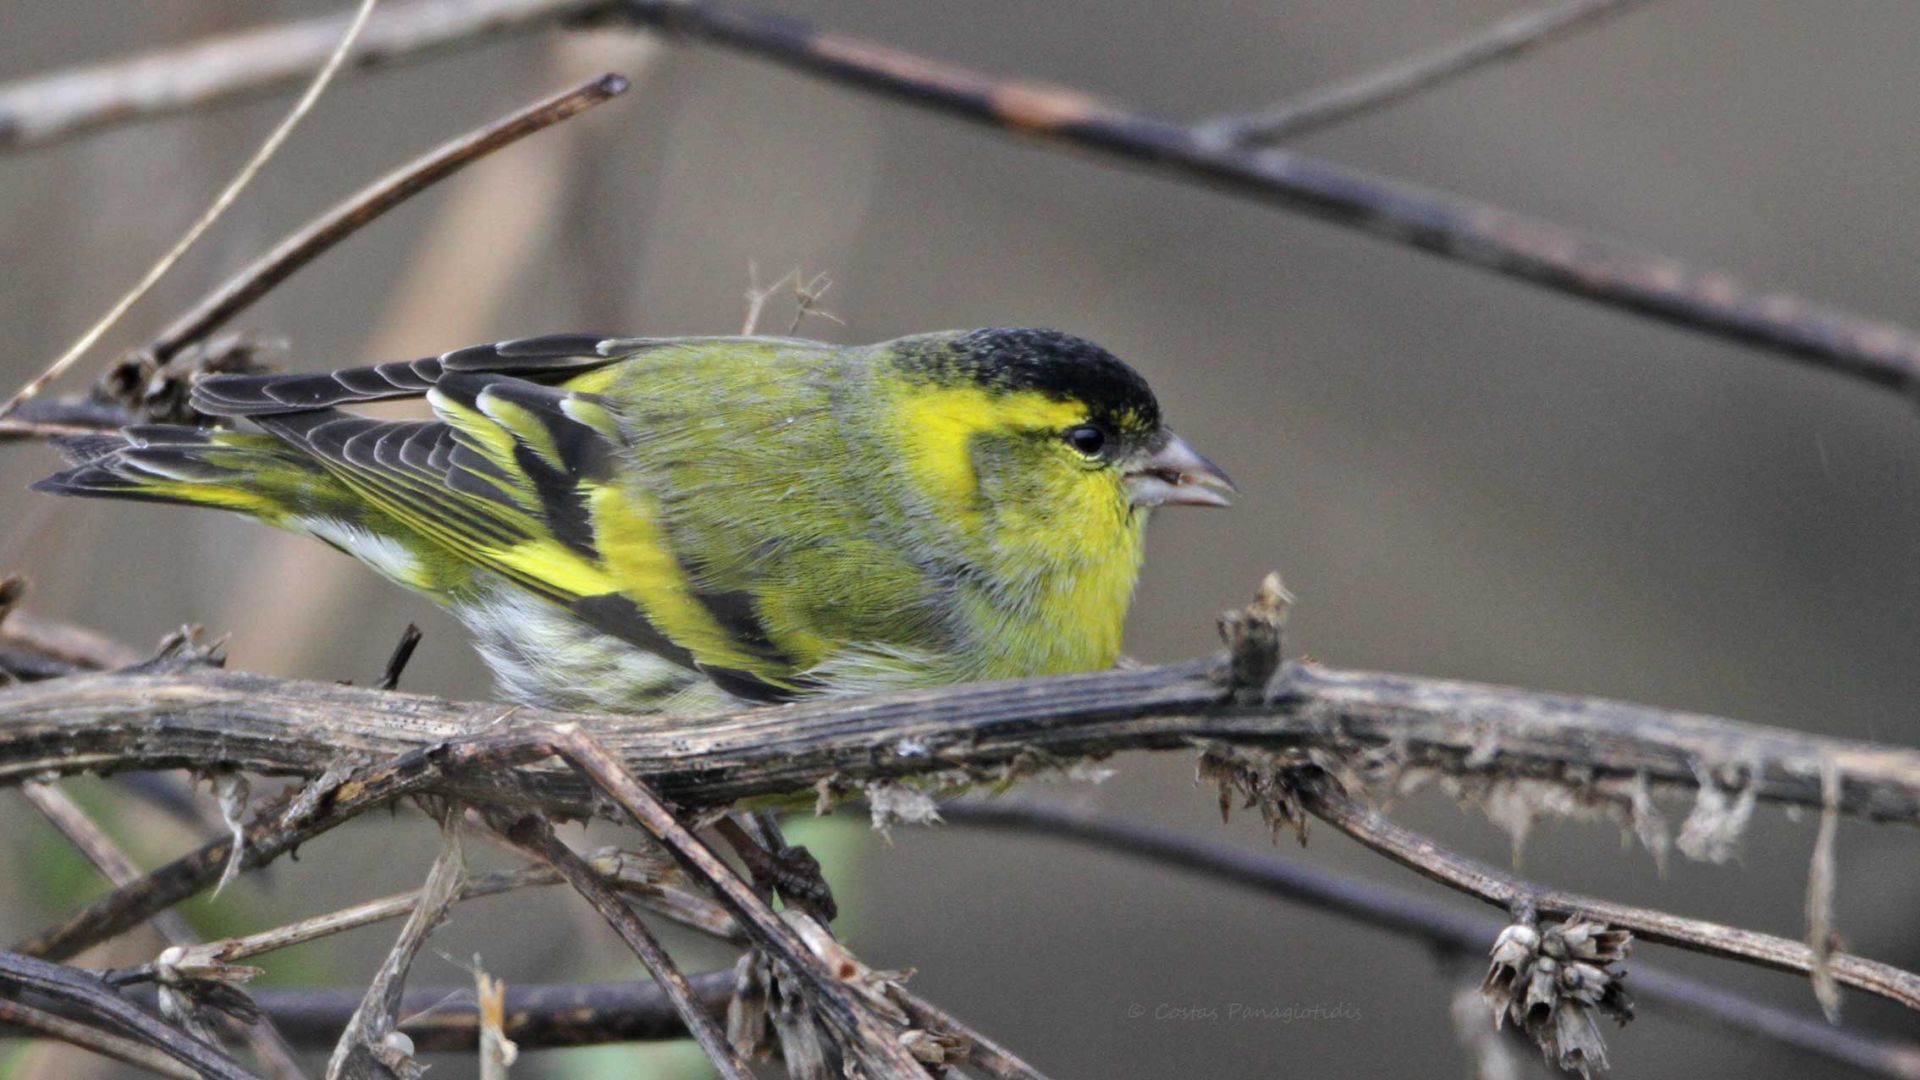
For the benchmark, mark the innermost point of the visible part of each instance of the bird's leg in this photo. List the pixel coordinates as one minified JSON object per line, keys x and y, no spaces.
{"x":777,"y":866}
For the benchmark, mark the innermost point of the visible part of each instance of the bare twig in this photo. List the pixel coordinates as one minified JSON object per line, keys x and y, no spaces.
{"x":445,"y":1018}
{"x":1503,"y":40}
{"x":1820,"y":889}
{"x":397,"y":662}
{"x":251,"y":169}
{"x":807,"y":295}
{"x":88,"y":997}
{"x":757,"y":298}
{"x":370,"y":1046}
{"x":1415,"y":916}
{"x":535,"y":833}
{"x":1508,"y":891}
{"x":89,"y":1037}
{"x":336,"y":796}
{"x":56,"y":648}
{"x":35,"y":429}
{"x":834,"y":1001}
{"x":634,"y":875}
{"x":364,"y":206}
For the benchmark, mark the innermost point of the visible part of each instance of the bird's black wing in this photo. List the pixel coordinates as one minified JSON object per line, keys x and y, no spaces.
{"x":550,"y":359}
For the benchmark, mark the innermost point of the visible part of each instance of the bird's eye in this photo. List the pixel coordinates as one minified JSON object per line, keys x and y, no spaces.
{"x":1087,"y":439}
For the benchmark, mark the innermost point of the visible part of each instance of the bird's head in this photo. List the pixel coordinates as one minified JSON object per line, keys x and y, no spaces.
{"x":1037,"y":421}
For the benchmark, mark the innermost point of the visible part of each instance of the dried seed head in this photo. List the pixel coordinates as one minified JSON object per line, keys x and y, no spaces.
{"x":1555,"y":982}
{"x":1265,"y":779}
{"x":195,"y":982}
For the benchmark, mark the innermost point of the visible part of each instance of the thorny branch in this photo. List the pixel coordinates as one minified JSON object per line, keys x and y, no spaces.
{"x":1530,"y":250}
{"x":186,"y":716}
{"x":1509,"y":891}
{"x":196,"y":716}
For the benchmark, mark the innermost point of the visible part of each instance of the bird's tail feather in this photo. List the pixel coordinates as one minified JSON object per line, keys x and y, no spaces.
{"x":254,"y":474}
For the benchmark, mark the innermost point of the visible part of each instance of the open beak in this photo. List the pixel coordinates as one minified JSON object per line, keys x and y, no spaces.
{"x":1176,"y":475}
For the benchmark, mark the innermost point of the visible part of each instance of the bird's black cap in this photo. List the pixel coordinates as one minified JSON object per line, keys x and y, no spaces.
{"x":1053,"y":363}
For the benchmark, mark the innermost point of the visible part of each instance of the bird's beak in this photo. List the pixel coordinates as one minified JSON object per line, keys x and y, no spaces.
{"x":1176,"y":475}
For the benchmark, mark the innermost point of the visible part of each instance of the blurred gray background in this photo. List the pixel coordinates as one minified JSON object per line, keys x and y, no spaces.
{"x":1459,"y":475}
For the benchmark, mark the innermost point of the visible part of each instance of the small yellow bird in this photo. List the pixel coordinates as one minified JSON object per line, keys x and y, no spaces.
{"x":680,"y":523}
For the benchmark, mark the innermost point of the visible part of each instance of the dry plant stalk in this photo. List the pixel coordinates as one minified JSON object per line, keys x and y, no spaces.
{"x":372,"y":1045}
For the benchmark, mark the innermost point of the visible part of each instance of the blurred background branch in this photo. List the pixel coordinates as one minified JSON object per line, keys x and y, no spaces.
{"x":1477,"y":234}
{"x":1504,"y":40}
{"x":70,"y":103}
{"x":363,"y":207}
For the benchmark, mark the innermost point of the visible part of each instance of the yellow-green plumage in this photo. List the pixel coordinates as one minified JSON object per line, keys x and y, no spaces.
{"x":632,"y":523}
